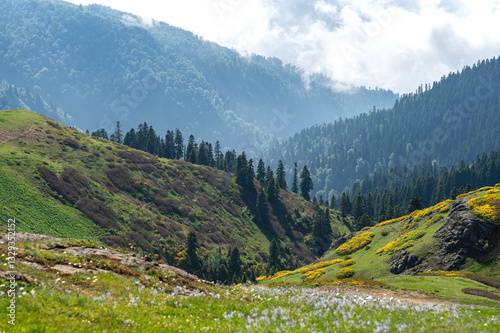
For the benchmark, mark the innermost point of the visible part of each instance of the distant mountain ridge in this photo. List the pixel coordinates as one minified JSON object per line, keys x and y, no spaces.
{"x":102,"y":65}
{"x":451,"y":121}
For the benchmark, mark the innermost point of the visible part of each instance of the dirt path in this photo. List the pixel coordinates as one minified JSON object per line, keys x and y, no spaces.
{"x":7,"y":136}
{"x":413,"y":297}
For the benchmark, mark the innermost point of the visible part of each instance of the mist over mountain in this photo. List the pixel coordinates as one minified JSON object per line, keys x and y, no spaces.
{"x":451,"y":121}
{"x":100,"y":65}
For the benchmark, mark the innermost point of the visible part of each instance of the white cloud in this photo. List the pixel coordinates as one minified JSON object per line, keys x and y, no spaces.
{"x":390,"y":44}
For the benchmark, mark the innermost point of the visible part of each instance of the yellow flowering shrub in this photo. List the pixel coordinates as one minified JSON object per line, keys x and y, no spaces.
{"x":487,"y":207}
{"x":497,"y":185}
{"x":354,"y":244}
{"x":311,"y":275}
{"x":320,"y":264}
{"x":445,"y":209}
{"x":345,"y":273}
{"x":399,"y":219}
{"x":403,"y":242}
{"x":349,"y":262}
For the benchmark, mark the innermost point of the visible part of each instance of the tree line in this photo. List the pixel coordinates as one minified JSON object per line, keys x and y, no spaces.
{"x":390,"y":194}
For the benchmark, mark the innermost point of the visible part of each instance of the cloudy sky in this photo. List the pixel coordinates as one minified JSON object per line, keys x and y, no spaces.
{"x":394,"y":45}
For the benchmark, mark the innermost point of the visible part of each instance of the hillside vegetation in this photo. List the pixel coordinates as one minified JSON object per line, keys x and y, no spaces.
{"x":60,"y":182}
{"x":453,"y":120}
{"x":81,"y":286}
{"x":448,"y":251}
{"x":101,"y":65}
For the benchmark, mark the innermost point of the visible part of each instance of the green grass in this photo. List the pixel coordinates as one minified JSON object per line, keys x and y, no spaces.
{"x":444,"y":288}
{"x":155,"y":300}
{"x":35,"y":214}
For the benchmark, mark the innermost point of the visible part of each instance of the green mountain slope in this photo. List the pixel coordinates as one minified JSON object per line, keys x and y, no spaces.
{"x":59,"y":182}
{"x":101,"y":65}
{"x":454,"y":120}
{"x":451,"y":246}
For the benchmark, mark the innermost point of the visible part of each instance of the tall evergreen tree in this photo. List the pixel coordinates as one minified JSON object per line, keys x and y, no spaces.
{"x":281,"y":176}
{"x":333,"y":202}
{"x":192,"y":246}
{"x":306,"y":183}
{"x":219,"y":157}
{"x":241,"y":170}
{"x":274,"y":264}
{"x":234,"y":263}
{"x":179,"y":145}
{"x":345,"y":204}
{"x":295,"y":181}
{"x":271,"y":191}
{"x":117,"y":136}
{"x":322,"y":231}
{"x":415,"y":204}
{"x":261,"y":171}
{"x":261,"y":207}
{"x":169,"y":145}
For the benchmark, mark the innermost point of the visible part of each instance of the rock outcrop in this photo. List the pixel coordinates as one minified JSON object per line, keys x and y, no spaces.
{"x":462,"y":235}
{"x":402,"y":261}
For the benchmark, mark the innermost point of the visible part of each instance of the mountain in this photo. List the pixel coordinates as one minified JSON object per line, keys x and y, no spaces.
{"x":449,"y":251}
{"x":451,"y":121}
{"x":102,"y":65}
{"x":60,"y":182}
{"x":13,"y":97}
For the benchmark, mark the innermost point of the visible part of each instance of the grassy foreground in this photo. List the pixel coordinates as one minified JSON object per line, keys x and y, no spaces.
{"x":103,"y":295}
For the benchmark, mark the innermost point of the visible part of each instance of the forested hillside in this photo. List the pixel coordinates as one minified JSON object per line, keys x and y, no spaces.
{"x":102,"y":65}
{"x":12,"y":97}
{"x":450,"y":121}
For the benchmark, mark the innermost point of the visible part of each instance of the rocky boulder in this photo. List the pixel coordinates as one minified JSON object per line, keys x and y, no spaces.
{"x":461,"y":236}
{"x":402,"y":261}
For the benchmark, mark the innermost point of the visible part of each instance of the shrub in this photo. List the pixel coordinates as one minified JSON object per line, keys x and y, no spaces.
{"x":384,"y":232}
{"x":99,"y":212}
{"x":311,"y":275}
{"x":349,"y":262}
{"x":71,"y":143}
{"x":354,"y":244}
{"x":345,"y":273}
{"x":403,"y":242}
{"x":487,"y":207}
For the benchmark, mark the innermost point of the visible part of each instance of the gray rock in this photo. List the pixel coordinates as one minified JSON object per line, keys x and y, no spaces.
{"x":402,"y":261}
{"x":460,"y":236}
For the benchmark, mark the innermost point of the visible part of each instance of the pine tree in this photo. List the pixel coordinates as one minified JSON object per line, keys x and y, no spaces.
{"x":118,"y":134}
{"x":295,"y":182}
{"x":179,"y":145}
{"x":129,"y":139}
{"x":363,"y":221}
{"x":322,"y":231}
{"x":192,"y":246}
{"x":241,"y":171}
{"x":234,"y":263}
{"x":261,"y":171}
{"x":169,"y":145}
{"x":415,"y":204}
{"x":271,"y":191}
{"x":219,"y":157}
{"x":306,"y":183}
{"x":261,"y":207}
{"x":190,"y":150}
{"x":357,"y":206}
{"x":345,"y":204}
{"x":281,"y":176}
{"x":273,"y":263}
{"x":333,"y":202}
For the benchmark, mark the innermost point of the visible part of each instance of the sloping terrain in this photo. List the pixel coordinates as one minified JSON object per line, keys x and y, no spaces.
{"x":64,"y":285}
{"x":446,"y":251}
{"x":102,"y":65}
{"x":60,"y":182}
